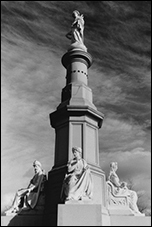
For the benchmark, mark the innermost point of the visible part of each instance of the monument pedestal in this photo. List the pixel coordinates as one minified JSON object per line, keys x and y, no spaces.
{"x":26,"y":217}
{"x":22,"y":220}
{"x":125,"y":220}
{"x":82,"y":215}
{"x":78,"y":214}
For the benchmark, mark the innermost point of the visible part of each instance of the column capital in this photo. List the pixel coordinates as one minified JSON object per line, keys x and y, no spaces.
{"x":76,"y":56}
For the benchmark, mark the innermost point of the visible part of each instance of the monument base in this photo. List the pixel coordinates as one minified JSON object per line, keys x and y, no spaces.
{"x":78,"y":215}
{"x":125,"y":220}
{"x":22,"y":220}
{"x":82,"y":215}
{"x":26,"y":217}
{"x":96,"y":215}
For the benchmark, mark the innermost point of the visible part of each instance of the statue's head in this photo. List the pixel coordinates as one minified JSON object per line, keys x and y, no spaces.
{"x":75,"y":13}
{"x":77,"y":151}
{"x":37,"y":166}
{"x":114,"y":166}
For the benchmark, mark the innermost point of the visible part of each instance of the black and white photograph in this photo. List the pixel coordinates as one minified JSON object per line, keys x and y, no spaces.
{"x":76,"y":113}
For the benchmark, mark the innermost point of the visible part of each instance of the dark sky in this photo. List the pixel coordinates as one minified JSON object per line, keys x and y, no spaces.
{"x":118,"y":36}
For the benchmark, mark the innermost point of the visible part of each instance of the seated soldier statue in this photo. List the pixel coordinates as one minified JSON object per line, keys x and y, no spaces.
{"x":121,"y":189}
{"x":27,"y":198}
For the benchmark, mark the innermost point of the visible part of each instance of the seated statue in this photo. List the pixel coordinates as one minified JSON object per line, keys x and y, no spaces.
{"x":27,"y":198}
{"x":121,"y":189}
{"x":77,"y":184}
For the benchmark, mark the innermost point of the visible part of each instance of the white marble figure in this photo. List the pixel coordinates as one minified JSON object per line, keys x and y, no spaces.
{"x":76,"y":34}
{"x":27,"y":198}
{"x":77,"y":184}
{"x":122,"y":189}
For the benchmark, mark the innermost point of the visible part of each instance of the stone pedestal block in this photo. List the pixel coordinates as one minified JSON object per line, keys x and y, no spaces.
{"x":76,"y":126}
{"x":82,"y":215}
{"x":22,"y":220}
{"x":124,"y":220}
{"x":78,"y":214}
{"x":77,"y":94}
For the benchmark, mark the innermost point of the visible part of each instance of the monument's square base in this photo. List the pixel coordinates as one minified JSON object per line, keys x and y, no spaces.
{"x":26,"y":217}
{"x":125,"y":220}
{"x":79,"y":215}
{"x":96,"y":215}
{"x":82,"y":215}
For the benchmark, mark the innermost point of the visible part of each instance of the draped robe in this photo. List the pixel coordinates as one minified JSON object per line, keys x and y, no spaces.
{"x":77,"y":184}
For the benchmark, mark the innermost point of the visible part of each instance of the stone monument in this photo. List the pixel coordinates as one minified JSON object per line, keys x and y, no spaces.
{"x":76,"y":122}
{"x":77,"y":193}
{"x":76,"y":197}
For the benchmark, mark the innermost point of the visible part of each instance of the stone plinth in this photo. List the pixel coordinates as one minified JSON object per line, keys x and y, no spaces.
{"x":76,"y":126}
{"x":22,"y":220}
{"x":26,"y":217}
{"x":96,"y":215}
{"x":78,"y":215}
{"x":82,"y":215}
{"x":124,"y":220}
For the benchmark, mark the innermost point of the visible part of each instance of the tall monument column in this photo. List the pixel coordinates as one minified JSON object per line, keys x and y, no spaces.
{"x":76,"y":122}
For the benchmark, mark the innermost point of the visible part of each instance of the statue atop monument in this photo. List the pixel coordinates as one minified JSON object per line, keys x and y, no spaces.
{"x":76,"y":35}
{"x":121,"y":189}
{"x":77,"y":184}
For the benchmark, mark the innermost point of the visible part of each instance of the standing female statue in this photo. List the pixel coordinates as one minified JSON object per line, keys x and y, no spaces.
{"x":77,"y":184}
{"x":76,"y":34}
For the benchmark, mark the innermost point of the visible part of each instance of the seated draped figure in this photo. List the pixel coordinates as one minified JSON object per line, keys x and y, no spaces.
{"x":77,"y":184}
{"x":121,"y":189}
{"x":27,"y":198}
